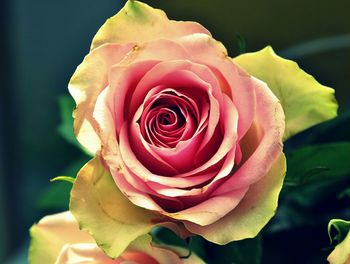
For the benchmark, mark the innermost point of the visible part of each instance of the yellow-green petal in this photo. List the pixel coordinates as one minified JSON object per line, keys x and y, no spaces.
{"x":341,"y":253}
{"x":305,"y":101}
{"x":137,"y":22}
{"x":102,"y":210}
{"x":51,"y":234}
{"x":88,"y":81}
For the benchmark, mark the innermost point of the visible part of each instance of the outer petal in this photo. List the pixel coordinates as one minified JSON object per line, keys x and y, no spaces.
{"x":305,"y":101}
{"x":137,"y":22}
{"x":102,"y":210}
{"x":236,"y":83}
{"x":140,"y":251}
{"x":252,"y":213}
{"x":51,"y":234}
{"x":90,"y":78}
{"x":82,"y":253}
{"x":262,"y":144}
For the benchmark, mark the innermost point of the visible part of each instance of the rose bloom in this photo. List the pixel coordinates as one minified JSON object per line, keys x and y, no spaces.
{"x":183,"y":130}
{"x":57,"y":239}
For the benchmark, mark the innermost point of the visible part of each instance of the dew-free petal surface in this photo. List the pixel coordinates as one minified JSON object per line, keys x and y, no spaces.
{"x":251,"y":214}
{"x":137,"y":22}
{"x":305,"y":101}
{"x":51,"y":233}
{"x":100,"y":208}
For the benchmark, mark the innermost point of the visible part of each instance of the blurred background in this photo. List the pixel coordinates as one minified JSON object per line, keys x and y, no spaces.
{"x":42,"y":42}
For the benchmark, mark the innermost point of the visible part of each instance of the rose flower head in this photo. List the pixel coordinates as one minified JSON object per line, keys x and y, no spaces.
{"x":183,"y":135}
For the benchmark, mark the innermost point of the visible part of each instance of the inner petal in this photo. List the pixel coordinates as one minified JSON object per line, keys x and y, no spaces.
{"x":174,"y":113}
{"x":169,"y":117}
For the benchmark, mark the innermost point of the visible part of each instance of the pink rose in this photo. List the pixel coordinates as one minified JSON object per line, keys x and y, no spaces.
{"x":183,"y":130}
{"x":57,"y":239}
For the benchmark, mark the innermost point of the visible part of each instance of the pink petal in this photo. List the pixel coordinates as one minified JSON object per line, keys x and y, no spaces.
{"x":122,"y":81}
{"x":141,"y":198}
{"x":234,"y":81}
{"x":268,"y":132}
{"x":228,"y":121}
{"x":251,"y":214}
{"x":208,"y":211}
{"x":89,"y":79}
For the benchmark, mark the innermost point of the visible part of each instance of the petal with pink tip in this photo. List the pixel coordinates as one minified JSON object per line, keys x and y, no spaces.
{"x":99,"y":207}
{"x":235,"y":82}
{"x":89,"y":79}
{"x":269,"y":122}
{"x":251,"y":214}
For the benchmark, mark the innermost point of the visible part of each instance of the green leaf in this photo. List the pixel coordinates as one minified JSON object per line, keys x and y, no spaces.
{"x":241,"y":43}
{"x":197,"y":246}
{"x":341,"y":253}
{"x":342,"y":228}
{"x":315,"y":176}
{"x":305,"y":101}
{"x":56,"y":195}
{"x":166,"y":236}
{"x":337,"y":129}
{"x":318,"y":163}
{"x":247,"y":251}
{"x":345,"y":193}
{"x":317,"y":46}
{"x":65,"y":129}
{"x":63,"y":178}
{"x":101,"y":209}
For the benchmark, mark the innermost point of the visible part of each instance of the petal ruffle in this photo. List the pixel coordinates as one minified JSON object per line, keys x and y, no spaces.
{"x":88,"y":81}
{"x":305,"y":101}
{"x":100,"y":207}
{"x":251,"y":214}
{"x":137,"y":23}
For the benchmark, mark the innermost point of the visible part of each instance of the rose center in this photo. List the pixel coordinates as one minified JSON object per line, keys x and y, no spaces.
{"x":170,"y":116}
{"x":167,"y":120}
